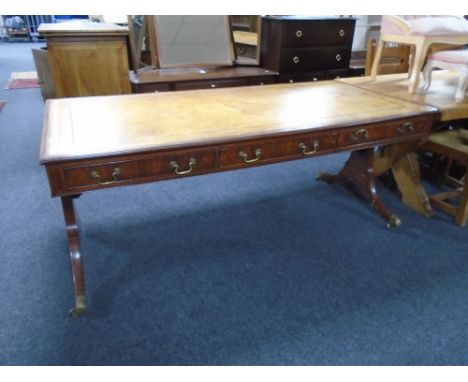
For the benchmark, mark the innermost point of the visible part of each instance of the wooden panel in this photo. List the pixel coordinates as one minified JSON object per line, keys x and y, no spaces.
{"x":44,"y":74}
{"x":89,"y":67}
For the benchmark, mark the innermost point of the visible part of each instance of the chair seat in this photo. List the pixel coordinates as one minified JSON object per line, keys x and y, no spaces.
{"x":449,"y":144}
{"x":449,"y":140}
{"x":451,"y":56}
{"x":429,"y":26}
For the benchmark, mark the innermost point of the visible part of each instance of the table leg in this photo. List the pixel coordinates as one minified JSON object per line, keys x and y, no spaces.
{"x":401,"y":159}
{"x":71,"y":222}
{"x":359,"y":169}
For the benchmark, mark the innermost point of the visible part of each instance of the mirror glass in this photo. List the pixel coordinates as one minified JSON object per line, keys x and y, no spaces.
{"x":246,"y":35}
{"x":193,"y":40}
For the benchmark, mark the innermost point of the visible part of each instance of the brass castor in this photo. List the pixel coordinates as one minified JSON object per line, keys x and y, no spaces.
{"x":393,"y":221}
{"x":79,"y":309}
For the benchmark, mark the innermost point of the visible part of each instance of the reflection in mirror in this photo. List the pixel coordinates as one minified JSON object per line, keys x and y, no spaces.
{"x":246,"y":35}
{"x":193,"y":40}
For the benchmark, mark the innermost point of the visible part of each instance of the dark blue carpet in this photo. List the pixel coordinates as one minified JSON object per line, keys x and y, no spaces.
{"x":264,"y":266}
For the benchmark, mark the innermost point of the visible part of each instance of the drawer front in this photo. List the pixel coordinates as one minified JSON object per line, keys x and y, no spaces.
{"x":246,"y":155}
{"x":323,"y":58}
{"x":308,"y":76}
{"x":151,"y":87}
{"x":262,"y":80}
{"x":114,"y":173}
{"x":207,"y":84}
{"x":317,"y":32}
{"x":371,"y":134}
{"x":337,"y":73}
{"x":305,"y":145}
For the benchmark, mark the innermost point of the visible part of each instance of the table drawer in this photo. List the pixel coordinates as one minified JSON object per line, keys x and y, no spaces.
{"x":207,"y":84}
{"x":115,"y":172}
{"x":317,"y":32}
{"x":305,"y":145}
{"x":245,"y":155}
{"x":323,"y":58}
{"x":372,"y":134}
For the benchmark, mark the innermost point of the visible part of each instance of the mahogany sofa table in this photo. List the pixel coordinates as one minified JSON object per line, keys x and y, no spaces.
{"x":94,"y":143}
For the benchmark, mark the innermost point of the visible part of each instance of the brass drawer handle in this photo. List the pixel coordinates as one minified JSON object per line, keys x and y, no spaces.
{"x":338,"y":57}
{"x":341,"y":32}
{"x":359,"y":134}
{"x":299,"y":33}
{"x":296,"y":59}
{"x":115,"y":174}
{"x":243,"y":155}
{"x":405,"y":127}
{"x":303,"y":147}
{"x":173,"y":164}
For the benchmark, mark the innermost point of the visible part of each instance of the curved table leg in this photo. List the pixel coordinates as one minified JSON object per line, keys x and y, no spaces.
{"x":359,"y":169}
{"x":71,"y":223}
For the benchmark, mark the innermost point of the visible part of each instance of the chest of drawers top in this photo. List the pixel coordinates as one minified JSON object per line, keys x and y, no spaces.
{"x":297,"y":31}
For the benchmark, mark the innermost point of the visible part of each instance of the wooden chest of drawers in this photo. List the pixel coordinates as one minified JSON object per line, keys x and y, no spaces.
{"x":306,"y":48}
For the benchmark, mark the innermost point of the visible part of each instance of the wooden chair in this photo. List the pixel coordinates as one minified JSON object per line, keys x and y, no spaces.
{"x":420,"y":32}
{"x":393,"y":59}
{"x":450,"y":144}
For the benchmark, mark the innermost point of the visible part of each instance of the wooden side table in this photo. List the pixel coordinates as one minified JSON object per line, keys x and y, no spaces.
{"x":87,"y":58}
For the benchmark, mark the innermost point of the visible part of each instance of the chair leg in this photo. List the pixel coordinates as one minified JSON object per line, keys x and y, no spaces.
{"x":461,"y":216}
{"x":462,"y":86}
{"x":411,"y":60}
{"x":427,"y":75}
{"x":418,"y":61}
{"x":375,"y":64}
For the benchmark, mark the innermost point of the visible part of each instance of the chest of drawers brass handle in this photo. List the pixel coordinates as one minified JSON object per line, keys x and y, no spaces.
{"x":173,"y":164}
{"x":299,"y":33}
{"x":303,"y":147}
{"x":405,"y":127}
{"x":359,"y":134}
{"x":341,"y":32}
{"x":243,"y":155}
{"x":115,"y":174}
{"x":296,"y":59}
{"x":338,"y":57}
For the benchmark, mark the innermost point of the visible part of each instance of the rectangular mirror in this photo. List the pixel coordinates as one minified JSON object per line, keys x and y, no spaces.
{"x":193,"y":40}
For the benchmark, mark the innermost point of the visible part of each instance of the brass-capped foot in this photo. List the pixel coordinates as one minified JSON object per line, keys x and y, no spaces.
{"x":79,"y":309}
{"x":393,"y":221}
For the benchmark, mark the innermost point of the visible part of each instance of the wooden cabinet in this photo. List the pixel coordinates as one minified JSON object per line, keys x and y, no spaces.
{"x":87,"y":59}
{"x":306,"y":48}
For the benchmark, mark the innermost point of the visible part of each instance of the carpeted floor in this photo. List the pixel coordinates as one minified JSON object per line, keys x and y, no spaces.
{"x":264,"y":266}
